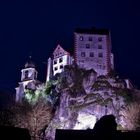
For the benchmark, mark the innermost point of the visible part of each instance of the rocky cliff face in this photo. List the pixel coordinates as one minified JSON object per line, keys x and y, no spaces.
{"x":84,"y":98}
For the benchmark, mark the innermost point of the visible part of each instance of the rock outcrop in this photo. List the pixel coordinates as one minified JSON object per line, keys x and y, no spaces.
{"x":84,"y":98}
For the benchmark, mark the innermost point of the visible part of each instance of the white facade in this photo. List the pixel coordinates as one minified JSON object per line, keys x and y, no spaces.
{"x":60,"y":62}
{"x":56,"y":64}
{"x":28,"y":80}
{"x":93,"y":50}
{"x":49,"y":69}
{"x":129,"y":85}
{"x":28,"y":73}
{"x":112,"y":61}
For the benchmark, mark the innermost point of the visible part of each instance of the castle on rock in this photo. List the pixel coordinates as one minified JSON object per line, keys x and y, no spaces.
{"x":92,"y":50}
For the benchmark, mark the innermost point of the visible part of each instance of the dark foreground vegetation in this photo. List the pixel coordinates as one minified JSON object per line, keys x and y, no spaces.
{"x":14,"y":133}
{"x":90,"y":135}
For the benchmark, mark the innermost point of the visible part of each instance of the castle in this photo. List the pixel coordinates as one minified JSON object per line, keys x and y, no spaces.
{"x":92,"y":50}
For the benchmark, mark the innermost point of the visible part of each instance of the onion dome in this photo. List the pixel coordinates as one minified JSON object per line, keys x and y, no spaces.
{"x":30,"y":63}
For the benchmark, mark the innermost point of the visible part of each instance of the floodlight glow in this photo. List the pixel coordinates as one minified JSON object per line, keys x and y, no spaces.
{"x":85,"y":121}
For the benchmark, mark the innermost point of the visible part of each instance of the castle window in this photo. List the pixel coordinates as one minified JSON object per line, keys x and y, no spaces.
{"x":99,"y":66}
{"x":83,"y":54}
{"x":99,"y":39}
{"x":60,"y":60}
{"x":91,"y":54}
{"x":55,"y":68}
{"x":100,"y":54}
{"x":90,"y":38}
{"x":87,"y":46}
{"x":99,"y":46}
{"x":81,"y":38}
{"x":55,"y":62}
{"x":26,"y":74}
{"x":61,"y":66}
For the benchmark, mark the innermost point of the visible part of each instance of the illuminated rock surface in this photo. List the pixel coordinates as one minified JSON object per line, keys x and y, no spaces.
{"x":84,"y":98}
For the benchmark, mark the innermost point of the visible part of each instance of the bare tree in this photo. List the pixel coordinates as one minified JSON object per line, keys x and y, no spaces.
{"x":33,"y":117}
{"x":39,"y":118}
{"x":131,"y":115}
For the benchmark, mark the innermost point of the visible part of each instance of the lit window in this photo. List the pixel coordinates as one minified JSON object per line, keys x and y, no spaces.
{"x":60,"y":60}
{"x":81,"y":38}
{"x":99,"y":39}
{"x":100,"y":54}
{"x":99,"y":46}
{"x":83,"y":54}
{"x":61,"y":66}
{"x":90,"y":38}
{"x":87,"y":46}
{"x":55,"y":62}
{"x":91,"y":54}
{"x":55,"y":68}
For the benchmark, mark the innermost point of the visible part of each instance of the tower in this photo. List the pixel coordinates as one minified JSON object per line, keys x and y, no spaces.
{"x":93,"y":50}
{"x":28,"y":80}
{"x":49,"y":69}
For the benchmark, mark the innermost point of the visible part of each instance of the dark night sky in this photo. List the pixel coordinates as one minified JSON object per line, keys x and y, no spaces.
{"x":38,"y":27}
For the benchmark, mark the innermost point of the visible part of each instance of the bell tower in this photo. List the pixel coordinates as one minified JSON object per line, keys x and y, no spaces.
{"x":28,"y":79}
{"x":29,"y":72}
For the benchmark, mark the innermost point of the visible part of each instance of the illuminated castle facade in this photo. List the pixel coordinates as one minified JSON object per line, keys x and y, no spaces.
{"x":92,"y":50}
{"x":28,"y":80}
{"x":56,"y":64}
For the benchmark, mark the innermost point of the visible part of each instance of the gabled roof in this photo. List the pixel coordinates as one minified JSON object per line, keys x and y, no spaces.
{"x":59,"y":51}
